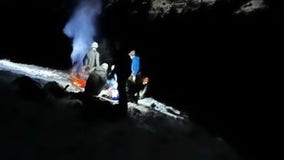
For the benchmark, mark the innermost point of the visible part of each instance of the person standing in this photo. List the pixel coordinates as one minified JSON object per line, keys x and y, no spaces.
{"x":92,"y":58}
{"x":131,"y":84}
{"x":135,"y":65}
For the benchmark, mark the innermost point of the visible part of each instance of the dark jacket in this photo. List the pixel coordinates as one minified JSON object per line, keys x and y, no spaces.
{"x":96,"y":81}
{"x":92,"y":59}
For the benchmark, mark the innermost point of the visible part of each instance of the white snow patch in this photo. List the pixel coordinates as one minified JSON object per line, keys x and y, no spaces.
{"x":40,"y":73}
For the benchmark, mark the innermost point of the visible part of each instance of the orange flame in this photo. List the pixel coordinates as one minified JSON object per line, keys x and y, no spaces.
{"x":78,"y":82}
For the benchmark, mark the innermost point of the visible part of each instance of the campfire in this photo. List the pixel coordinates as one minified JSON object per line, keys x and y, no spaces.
{"x":78,"y":78}
{"x":79,"y":82}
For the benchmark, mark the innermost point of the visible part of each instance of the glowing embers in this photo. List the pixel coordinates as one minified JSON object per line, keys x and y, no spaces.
{"x":79,"y":82}
{"x":78,"y":76}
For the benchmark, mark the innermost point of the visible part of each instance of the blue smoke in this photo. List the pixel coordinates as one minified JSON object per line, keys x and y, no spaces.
{"x":81,"y":28}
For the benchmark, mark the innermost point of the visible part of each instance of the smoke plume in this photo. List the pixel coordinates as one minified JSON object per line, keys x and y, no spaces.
{"x":81,"y":28}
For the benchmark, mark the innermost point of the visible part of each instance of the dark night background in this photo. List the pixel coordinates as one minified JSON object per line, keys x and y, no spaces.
{"x":217,"y":67}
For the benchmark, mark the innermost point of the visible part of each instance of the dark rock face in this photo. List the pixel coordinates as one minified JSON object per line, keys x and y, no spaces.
{"x":215,"y":43}
{"x":55,"y":128}
{"x":28,"y":88}
{"x":162,"y":8}
{"x":225,"y":47}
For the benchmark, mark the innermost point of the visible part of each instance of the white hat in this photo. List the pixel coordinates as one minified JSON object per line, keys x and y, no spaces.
{"x":105,"y":66}
{"x":132,"y":53}
{"x":95,"y":45}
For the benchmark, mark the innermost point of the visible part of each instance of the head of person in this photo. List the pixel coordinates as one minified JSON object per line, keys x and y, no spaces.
{"x":105,"y":66}
{"x":145,"y":80}
{"x":131,"y":54}
{"x":95,"y":45}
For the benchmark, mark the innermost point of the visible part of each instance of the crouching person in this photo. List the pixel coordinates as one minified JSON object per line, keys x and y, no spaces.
{"x":96,"y":81}
{"x":137,"y":89}
{"x":142,"y":87}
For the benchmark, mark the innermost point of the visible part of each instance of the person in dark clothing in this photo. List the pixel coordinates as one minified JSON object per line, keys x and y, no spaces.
{"x":142,"y":83}
{"x":138,"y":89}
{"x":97,"y":80}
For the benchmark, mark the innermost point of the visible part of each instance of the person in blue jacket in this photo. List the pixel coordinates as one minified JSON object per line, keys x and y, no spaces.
{"x":135,"y":65}
{"x":131,"y":84}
